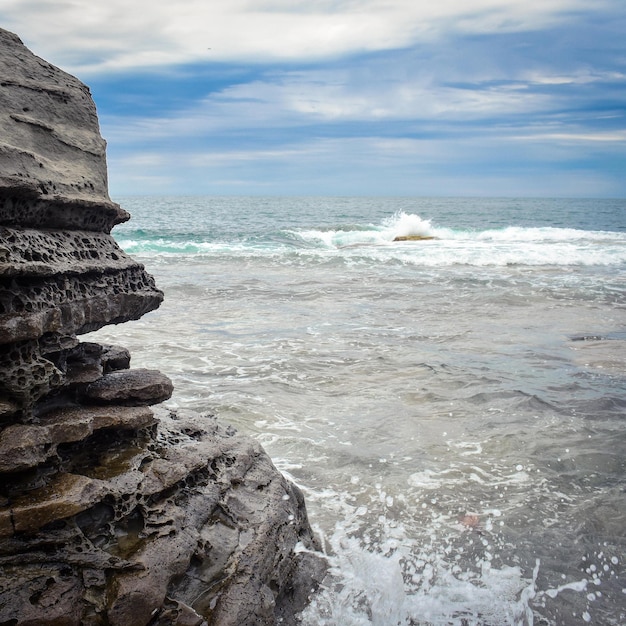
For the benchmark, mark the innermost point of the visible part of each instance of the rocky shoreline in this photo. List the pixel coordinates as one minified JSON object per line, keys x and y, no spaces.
{"x":113,"y":509}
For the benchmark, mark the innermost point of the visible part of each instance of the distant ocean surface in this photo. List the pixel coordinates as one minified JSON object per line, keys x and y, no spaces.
{"x":454,"y":409}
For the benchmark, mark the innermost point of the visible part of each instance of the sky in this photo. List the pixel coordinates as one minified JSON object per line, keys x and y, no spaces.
{"x":347,"y":97}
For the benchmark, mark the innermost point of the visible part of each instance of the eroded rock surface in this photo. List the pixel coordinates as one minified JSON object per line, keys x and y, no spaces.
{"x":52,"y":158}
{"x":113,"y":511}
{"x":182,"y":518}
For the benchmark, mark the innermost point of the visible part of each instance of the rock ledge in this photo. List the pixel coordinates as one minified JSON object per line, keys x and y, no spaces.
{"x":113,"y":509}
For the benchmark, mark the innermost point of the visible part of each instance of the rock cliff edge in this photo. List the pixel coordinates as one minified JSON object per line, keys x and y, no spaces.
{"x":113,"y":509}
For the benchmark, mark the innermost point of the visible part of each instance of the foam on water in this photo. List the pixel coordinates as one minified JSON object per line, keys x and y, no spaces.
{"x":433,"y":580}
{"x":399,"y":225}
{"x":450,"y":573}
{"x":507,"y":246}
{"x":512,"y":245}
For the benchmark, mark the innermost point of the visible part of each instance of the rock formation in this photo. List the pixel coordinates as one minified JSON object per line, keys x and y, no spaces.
{"x":113,"y":511}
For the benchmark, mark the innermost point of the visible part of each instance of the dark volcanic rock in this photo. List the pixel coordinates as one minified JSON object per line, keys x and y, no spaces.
{"x":111,"y":512}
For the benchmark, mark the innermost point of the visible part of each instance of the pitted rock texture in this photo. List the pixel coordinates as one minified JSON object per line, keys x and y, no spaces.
{"x":31,"y":252}
{"x":185,"y":520}
{"x":112,"y":512}
{"x":31,"y":308}
{"x":61,"y":272}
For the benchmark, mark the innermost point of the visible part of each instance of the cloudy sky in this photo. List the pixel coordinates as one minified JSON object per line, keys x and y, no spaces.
{"x":347,"y":97}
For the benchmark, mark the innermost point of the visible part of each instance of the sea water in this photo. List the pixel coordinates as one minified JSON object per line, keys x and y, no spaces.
{"x":453,"y":408}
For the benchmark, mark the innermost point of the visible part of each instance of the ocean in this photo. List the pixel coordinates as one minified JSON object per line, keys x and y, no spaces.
{"x":454,"y":408}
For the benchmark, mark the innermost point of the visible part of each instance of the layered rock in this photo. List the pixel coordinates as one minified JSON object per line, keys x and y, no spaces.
{"x":112,"y":510}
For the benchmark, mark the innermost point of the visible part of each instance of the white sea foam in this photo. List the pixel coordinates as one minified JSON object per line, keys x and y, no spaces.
{"x":512,"y":245}
{"x":398,"y":583}
{"x":444,"y":428}
{"x":508,"y":246}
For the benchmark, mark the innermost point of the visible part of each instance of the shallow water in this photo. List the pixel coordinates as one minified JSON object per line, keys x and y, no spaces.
{"x":453,"y":409}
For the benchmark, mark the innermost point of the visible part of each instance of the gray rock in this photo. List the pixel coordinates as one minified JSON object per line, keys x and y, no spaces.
{"x":202,"y":526}
{"x":112,"y":512}
{"x":115,"y":358}
{"x":61,"y":273}
{"x":24,"y":446}
{"x":52,"y":158}
{"x":130,"y":387}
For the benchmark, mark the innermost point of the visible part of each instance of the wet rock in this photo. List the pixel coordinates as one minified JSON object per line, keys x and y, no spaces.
{"x":203,"y":522}
{"x":413,"y":238}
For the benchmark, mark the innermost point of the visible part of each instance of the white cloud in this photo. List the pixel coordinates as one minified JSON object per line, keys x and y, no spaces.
{"x":402,"y":166}
{"x":581,"y":77}
{"x":338,"y":96}
{"x":85,"y":36}
{"x":609,"y":137}
{"x":297,"y":99}
{"x":488,"y":112}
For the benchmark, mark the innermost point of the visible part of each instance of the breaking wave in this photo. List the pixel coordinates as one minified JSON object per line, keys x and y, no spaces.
{"x":403,"y":237}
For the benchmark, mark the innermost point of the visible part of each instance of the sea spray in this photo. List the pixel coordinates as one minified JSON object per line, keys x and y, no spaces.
{"x":387,"y":580}
{"x":403,"y":224}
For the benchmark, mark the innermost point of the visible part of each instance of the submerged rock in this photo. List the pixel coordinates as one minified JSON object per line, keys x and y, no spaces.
{"x":112,"y":510}
{"x":413,"y":238}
